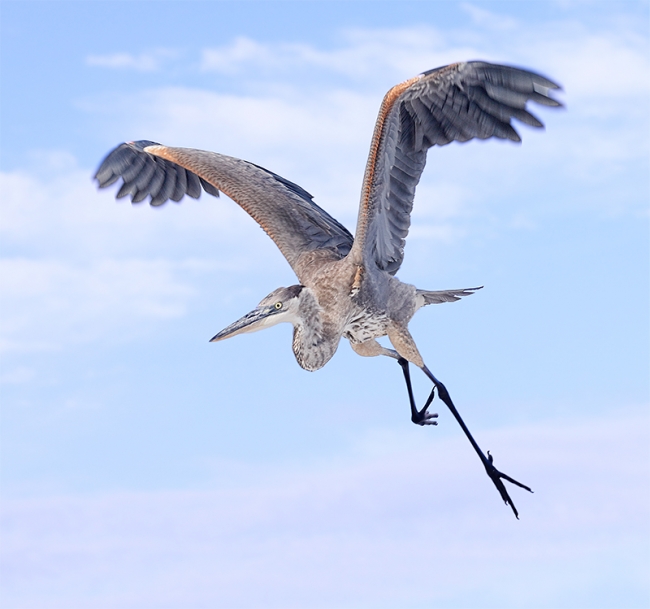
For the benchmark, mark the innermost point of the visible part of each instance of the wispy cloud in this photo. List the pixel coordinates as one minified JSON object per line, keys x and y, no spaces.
{"x":236,"y":55}
{"x":150,"y":61}
{"x":363,"y":54}
{"x":589,"y":63}
{"x":78,"y":267}
{"x":489,"y":19}
{"x":47,"y":304}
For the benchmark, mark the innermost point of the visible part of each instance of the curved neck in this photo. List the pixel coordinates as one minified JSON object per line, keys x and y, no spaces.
{"x":314,"y":343}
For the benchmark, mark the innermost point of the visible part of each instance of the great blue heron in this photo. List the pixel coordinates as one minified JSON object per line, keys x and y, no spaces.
{"x":347,"y":284}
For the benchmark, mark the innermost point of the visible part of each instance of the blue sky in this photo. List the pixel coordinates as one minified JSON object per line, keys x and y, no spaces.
{"x":144,"y":467}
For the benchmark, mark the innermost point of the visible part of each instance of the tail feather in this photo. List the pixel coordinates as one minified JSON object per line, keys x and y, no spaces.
{"x":438,"y":296}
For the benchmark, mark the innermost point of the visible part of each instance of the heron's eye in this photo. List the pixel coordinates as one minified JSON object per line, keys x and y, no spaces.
{"x":278,"y":305}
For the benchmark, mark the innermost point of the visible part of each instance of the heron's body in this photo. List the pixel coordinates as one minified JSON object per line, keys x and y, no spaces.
{"x":348,"y":287}
{"x":361,"y":313}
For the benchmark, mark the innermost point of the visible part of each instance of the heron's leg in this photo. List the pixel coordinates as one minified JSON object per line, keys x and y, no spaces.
{"x":406,"y":352}
{"x":404,"y":344}
{"x":495,"y":475}
{"x":420,"y":417}
{"x":371,"y":348}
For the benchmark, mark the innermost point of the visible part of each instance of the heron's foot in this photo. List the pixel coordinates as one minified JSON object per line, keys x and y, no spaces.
{"x":423,"y":417}
{"x":497,"y":477}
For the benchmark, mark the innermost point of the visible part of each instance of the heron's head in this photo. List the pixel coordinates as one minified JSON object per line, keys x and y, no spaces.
{"x":280,"y":305}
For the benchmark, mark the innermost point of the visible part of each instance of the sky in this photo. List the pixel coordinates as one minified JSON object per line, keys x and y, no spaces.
{"x":143,"y":467}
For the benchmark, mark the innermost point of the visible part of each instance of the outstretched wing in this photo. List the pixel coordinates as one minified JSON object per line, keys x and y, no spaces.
{"x":283,"y":209}
{"x":458,"y":102}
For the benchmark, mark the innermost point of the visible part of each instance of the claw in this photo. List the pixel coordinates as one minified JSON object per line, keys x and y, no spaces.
{"x":423,"y":417}
{"x":496,"y":476}
{"x":427,"y":419}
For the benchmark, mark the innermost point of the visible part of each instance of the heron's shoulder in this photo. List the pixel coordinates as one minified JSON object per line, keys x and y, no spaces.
{"x":322,"y":267}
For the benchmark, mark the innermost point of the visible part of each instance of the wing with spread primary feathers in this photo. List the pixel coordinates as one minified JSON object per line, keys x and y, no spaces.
{"x":283,"y":209}
{"x":458,"y":102}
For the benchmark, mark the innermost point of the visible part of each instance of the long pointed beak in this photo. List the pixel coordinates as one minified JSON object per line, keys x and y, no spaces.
{"x":251,"y":322}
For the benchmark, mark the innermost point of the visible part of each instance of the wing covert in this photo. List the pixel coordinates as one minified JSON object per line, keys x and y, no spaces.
{"x":458,"y":102}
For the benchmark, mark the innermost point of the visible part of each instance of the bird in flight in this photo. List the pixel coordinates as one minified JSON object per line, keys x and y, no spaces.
{"x":347,"y":285}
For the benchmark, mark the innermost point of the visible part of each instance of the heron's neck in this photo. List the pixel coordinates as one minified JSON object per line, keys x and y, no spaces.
{"x":313,"y":344}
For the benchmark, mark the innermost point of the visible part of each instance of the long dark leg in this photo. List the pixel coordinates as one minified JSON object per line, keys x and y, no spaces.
{"x":495,"y":475}
{"x":421,"y":417}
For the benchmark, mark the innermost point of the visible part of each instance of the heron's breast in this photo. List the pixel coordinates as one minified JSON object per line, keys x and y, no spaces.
{"x":366,"y":326}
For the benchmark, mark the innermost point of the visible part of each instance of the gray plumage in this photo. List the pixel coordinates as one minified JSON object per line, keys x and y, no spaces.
{"x":347,"y":285}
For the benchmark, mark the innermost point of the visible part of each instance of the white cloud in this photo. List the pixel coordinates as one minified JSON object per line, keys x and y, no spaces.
{"x":594,"y":64}
{"x":50,"y":213}
{"x":602,"y":69}
{"x":78,"y":267}
{"x":393,"y":525}
{"x":488,"y":19}
{"x":144,"y":62}
{"x":364,"y":53}
{"x":47,"y":303}
{"x":230,"y":58}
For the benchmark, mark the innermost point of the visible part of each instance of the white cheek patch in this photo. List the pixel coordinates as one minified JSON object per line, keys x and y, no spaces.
{"x":278,"y":318}
{"x":290,"y":317}
{"x":267,"y":322}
